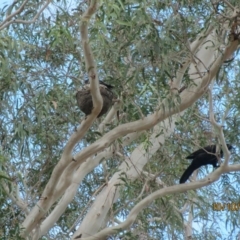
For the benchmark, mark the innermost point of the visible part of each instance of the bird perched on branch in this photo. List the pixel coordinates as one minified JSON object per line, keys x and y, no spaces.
{"x":84,"y":98}
{"x":201,"y":157}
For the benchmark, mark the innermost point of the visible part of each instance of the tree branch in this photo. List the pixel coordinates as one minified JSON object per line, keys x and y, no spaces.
{"x":110,"y":115}
{"x":89,"y":60}
{"x":79,"y":175}
{"x":218,"y":128}
{"x":50,"y":194}
{"x":16,"y":199}
{"x":161,"y":193}
{"x":188,"y":97}
{"x":7,"y":21}
{"x":132,"y":166}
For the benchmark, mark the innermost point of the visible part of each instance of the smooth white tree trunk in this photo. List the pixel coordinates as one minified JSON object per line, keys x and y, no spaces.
{"x":133,"y":167}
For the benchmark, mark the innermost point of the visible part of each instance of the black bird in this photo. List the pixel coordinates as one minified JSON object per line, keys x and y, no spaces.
{"x":201,"y":157}
{"x":84,"y":98}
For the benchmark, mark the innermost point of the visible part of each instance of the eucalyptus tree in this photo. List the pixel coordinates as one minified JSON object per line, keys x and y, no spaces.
{"x":175,"y":71}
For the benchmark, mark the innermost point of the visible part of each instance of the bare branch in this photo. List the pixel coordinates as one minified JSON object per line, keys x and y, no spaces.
{"x":213,"y":59}
{"x":193,"y":47}
{"x":110,"y":115}
{"x":9,"y":17}
{"x":51,"y":193}
{"x":160,"y":193}
{"x":218,"y":128}
{"x":188,"y":97}
{"x":133,"y":167}
{"x":16,"y":199}
{"x":188,"y":225}
{"x":7,"y":21}
{"x":229,"y":4}
{"x":82,"y":171}
{"x":89,"y":59}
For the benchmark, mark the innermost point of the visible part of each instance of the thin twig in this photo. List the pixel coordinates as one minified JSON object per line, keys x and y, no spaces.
{"x":7,"y":22}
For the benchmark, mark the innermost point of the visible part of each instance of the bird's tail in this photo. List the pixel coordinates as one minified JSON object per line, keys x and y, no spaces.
{"x":188,"y":172}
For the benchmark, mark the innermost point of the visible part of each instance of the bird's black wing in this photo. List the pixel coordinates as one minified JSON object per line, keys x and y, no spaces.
{"x":188,"y":172}
{"x":210,"y":148}
{"x":196,"y":163}
{"x":200,"y":160}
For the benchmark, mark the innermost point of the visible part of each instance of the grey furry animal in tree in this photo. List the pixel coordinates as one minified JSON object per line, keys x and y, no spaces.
{"x":84,"y":98}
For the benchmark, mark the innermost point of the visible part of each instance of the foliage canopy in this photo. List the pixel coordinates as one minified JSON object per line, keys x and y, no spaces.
{"x":138,"y":46}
